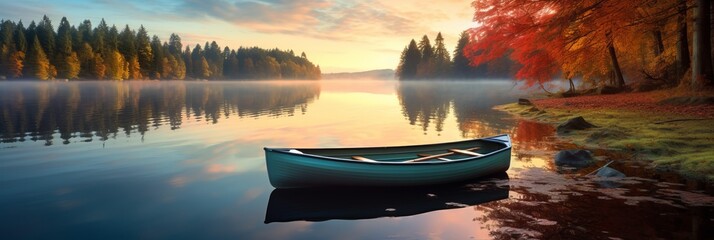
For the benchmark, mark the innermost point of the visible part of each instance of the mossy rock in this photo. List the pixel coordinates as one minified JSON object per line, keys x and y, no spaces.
{"x":525,"y":102}
{"x":608,"y":172}
{"x":576,"y":123}
{"x":574,"y":158}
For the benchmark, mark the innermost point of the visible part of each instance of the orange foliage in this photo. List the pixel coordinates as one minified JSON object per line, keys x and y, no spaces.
{"x":16,"y":64}
{"x":568,"y":37}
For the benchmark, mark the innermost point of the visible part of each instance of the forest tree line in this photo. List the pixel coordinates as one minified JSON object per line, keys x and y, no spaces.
{"x":103,"y":52}
{"x":651,"y":43}
{"x":424,"y":61}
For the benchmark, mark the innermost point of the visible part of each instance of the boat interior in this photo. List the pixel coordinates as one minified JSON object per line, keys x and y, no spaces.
{"x":443,"y":152}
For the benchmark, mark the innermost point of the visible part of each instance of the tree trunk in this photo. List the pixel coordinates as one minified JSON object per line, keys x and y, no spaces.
{"x":659,"y":45}
{"x":683,"y":60}
{"x":702,"y":63}
{"x":619,"y":80}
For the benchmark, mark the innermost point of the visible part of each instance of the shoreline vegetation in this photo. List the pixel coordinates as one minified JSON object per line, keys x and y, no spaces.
{"x":645,"y":72}
{"x":673,"y":132}
{"x":107,"y":53}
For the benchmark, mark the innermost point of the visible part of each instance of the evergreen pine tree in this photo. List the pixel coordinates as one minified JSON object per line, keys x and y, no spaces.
{"x":425,"y":68}
{"x":144,"y":51}
{"x":442,"y":58}
{"x":215,"y":60}
{"x":188,"y":61}
{"x":46,"y":35}
{"x":76,"y":38}
{"x":99,"y":38}
{"x":86,"y":60}
{"x":175,"y":45}
{"x":67,"y":63}
{"x":7,"y":45}
{"x":461,"y":68}
{"x":197,"y":64}
{"x":30,"y":34}
{"x":127,"y":43}
{"x":64,"y":38}
{"x":85,"y":32}
{"x":20,"y":38}
{"x":158,"y":53}
{"x":412,"y":57}
{"x":112,"y":40}
{"x":427,"y":52}
{"x":6,"y":33}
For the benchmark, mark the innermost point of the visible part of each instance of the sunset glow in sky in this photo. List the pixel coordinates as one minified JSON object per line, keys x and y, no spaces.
{"x":338,"y":35}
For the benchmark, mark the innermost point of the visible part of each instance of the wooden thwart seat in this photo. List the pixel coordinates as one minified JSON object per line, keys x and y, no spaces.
{"x":363,"y":159}
{"x":465,"y":152}
{"x":443,"y":155}
{"x":429,"y":155}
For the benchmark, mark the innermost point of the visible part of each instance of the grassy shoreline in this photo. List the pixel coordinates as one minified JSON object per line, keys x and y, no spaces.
{"x":667,"y":141}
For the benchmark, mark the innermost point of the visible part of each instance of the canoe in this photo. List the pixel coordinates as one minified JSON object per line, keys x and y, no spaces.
{"x":414,"y":165}
{"x":349,"y":203}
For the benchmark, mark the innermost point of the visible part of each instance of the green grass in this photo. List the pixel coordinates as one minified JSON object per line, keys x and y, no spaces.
{"x":683,"y":146}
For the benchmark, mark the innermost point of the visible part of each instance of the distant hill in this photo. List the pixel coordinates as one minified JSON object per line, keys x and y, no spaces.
{"x":380,"y":74}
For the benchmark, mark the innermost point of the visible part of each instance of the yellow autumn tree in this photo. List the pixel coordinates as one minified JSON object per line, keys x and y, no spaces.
{"x":115,"y":66}
{"x":99,"y":70}
{"x":38,"y":66}
{"x":72,"y":66}
{"x":16,"y":64}
{"x":134,"y":68}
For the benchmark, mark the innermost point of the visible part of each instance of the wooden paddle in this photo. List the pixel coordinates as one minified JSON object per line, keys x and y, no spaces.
{"x":439,"y":155}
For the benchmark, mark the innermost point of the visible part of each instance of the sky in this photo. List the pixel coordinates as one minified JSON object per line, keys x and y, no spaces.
{"x":339,"y":35}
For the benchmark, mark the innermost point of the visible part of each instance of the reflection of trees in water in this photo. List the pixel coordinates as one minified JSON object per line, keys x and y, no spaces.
{"x":529,"y":135}
{"x":472,"y":103}
{"x":35,"y":111}
{"x":423,"y":102}
{"x":562,"y":214}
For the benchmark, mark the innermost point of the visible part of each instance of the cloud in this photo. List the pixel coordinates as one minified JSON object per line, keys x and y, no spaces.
{"x":315,"y":18}
{"x":265,"y":16}
{"x":16,"y":11}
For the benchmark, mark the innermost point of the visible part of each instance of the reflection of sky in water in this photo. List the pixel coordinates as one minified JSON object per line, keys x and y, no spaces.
{"x":206,"y":177}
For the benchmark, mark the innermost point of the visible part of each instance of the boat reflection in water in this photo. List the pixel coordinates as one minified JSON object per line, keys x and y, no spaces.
{"x":322,"y":204}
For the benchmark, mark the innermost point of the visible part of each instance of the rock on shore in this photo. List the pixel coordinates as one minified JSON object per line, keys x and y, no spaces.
{"x":574,"y":158}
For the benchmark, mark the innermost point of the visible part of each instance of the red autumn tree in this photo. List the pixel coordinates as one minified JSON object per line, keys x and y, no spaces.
{"x":574,"y":38}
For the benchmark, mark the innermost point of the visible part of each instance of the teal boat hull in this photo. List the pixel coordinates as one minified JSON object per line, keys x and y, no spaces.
{"x":334,"y":167}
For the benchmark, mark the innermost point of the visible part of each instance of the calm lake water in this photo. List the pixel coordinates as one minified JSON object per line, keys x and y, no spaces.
{"x":122,"y":160}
